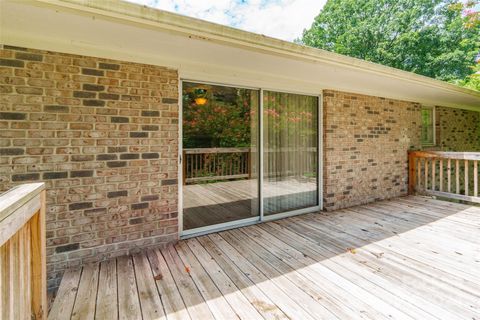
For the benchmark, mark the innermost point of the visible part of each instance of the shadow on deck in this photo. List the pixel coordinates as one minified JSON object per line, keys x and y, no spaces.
{"x":405,"y":258}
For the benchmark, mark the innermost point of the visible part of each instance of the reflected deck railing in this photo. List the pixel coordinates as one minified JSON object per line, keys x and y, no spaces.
{"x":452,"y":175}
{"x":207,"y":164}
{"x":219,"y":164}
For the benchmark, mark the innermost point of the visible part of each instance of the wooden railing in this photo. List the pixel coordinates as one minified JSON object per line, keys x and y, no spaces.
{"x":217,"y":164}
{"x":23,"y":292}
{"x":207,"y":164}
{"x":451,"y":175}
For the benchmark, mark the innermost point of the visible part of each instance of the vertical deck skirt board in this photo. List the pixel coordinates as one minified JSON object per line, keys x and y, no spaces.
{"x":150,"y":302}
{"x":107,"y":291}
{"x":128,"y":300}
{"x":407,"y":258}
{"x":171,"y":298}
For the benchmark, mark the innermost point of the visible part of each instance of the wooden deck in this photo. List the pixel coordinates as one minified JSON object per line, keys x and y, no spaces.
{"x":408,"y":258}
{"x":225,"y":201}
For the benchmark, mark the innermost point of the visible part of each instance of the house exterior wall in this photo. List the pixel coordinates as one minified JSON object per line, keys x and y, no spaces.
{"x":457,"y":129}
{"x":103,"y":136}
{"x":366,"y":140}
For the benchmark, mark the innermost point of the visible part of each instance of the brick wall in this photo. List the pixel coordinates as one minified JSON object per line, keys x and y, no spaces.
{"x":457,"y":130}
{"x":103,"y":136}
{"x":366,"y":140}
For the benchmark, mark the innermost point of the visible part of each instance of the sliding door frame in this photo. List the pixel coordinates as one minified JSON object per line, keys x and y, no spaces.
{"x":184,"y":234}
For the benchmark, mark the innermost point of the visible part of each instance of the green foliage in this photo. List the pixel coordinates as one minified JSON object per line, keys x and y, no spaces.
{"x":473,"y":80}
{"x":430,"y":37}
{"x":224,"y":121}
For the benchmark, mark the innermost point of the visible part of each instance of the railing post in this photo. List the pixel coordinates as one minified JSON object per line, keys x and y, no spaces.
{"x":39,"y":263}
{"x":411,"y":173}
{"x":184,"y":167}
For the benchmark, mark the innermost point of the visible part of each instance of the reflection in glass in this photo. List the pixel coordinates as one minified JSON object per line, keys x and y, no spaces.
{"x":290,"y":129}
{"x":220,"y":128}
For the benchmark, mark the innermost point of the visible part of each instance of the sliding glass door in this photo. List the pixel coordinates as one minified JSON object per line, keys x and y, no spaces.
{"x":290,"y":152}
{"x":220,"y":160}
{"x":239,"y":167}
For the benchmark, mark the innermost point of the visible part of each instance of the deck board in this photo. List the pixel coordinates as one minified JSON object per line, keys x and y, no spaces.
{"x":406,"y":258}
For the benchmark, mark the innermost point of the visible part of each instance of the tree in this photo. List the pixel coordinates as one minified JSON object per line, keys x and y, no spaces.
{"x":428,"y":37}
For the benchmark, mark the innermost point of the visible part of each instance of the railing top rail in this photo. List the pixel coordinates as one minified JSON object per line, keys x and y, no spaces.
{"x":215,"y":150}
{"x":13,"y":199}
{"x":243,"y":150}
{"x":446,"y":155}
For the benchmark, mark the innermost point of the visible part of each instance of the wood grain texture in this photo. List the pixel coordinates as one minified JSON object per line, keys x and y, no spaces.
{"x":23,"y":288}
{"x":408,"y":258}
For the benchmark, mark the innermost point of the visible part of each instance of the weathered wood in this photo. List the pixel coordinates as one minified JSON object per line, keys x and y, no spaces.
{"x":39,"y":260}
{"x":23,"y":287}
{"x":469,"y":193}
{"x":412,"y":179}
{"x":107,"y":291}
{"x":128,"y":300}
{"x":475,"y":178}
{"x":407,"y":258}
{"x":17,"y":197}
{"x":150,"y":302}
{"x":171,"y":297}
{"x":84,"y":307}
{"x":66,"y":295}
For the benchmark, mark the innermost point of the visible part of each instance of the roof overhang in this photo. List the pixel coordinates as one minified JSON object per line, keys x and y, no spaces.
{"x":206,"y":51}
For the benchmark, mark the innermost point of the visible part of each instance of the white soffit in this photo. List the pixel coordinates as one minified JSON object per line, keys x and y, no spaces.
{"x":205,"y":51}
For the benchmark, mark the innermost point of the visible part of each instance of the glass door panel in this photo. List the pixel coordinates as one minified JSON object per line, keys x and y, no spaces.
{"x":290,"y":152}
{"x":220,"y":160}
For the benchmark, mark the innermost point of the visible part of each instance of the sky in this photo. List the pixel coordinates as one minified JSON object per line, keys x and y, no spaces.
{"x":281,"y":19}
